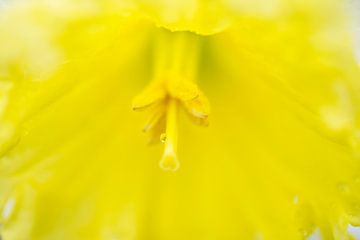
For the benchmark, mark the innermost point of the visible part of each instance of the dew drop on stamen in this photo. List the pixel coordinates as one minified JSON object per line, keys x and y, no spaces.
{"x":163,"y":137}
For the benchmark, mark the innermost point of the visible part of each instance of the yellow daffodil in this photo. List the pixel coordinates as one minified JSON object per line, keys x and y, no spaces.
{"x":276,"y":81}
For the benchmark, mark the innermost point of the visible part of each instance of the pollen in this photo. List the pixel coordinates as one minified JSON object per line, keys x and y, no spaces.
{"x":172,"y":88}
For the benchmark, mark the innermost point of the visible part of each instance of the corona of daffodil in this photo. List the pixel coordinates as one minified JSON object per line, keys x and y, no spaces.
{"x":254,"y":105}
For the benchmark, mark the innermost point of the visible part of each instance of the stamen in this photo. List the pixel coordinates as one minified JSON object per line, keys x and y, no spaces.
{"x":173,"y":85}
{"x":163,"y":137}
{"x":169,"y":161}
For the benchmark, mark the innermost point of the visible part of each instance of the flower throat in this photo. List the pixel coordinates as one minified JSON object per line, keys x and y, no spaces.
{"x":173,"y":86}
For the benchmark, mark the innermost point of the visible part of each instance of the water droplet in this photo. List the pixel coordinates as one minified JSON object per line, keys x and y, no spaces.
{"x":169,"y":162}
{"x":163,"y":137}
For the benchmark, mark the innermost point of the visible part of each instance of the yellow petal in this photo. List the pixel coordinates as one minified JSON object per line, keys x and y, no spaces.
{"x":299,"y":57}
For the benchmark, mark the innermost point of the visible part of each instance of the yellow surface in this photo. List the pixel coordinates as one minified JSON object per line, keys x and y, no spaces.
{"x":279,"y":160}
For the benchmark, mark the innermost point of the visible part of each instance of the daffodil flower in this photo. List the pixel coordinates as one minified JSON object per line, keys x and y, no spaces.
{"x":277,"y":82}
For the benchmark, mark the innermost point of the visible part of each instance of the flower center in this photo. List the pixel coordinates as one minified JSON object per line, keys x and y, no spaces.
{"x":173,"y":86}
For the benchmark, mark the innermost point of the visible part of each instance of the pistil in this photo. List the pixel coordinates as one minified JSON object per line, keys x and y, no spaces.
{"x":169,"y":159}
